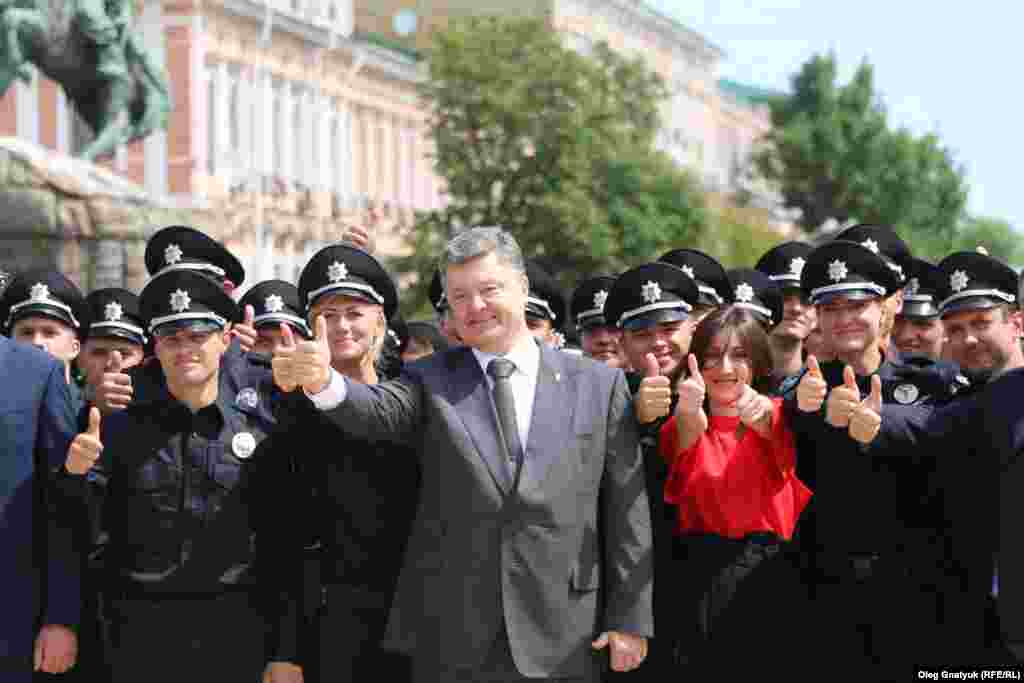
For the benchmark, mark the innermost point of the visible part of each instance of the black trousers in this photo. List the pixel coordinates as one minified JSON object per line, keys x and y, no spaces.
{"x":742,"y":611}
{"x":349,"y":631}
{"x":217,"y":638}
{"x":877,"y":617}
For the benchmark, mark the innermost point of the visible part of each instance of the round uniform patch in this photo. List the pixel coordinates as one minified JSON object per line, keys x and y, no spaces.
{"x":905,"y":394}
{"x":247,"y":398}
{"x":243,"y":444}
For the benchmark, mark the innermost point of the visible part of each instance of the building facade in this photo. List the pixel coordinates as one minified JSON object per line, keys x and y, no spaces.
{"x":286,"y":127}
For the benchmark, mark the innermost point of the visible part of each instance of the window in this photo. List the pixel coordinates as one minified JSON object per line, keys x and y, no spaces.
{"x":211,"y":120}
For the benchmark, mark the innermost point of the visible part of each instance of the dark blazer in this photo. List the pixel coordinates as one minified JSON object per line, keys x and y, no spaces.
{"x":533,"y":560}
{"x":38,"y":567}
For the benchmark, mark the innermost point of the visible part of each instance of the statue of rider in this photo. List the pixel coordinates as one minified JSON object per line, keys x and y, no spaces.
{"x":105,"y":24}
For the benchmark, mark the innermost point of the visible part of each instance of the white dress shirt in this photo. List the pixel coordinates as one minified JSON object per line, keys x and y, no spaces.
{"x":525,"y":356}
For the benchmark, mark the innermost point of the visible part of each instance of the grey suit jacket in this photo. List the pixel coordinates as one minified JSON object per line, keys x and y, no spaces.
{"x":558,"y":560}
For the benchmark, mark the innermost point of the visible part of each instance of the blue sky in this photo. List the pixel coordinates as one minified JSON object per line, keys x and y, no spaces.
{"x":940,"y":67}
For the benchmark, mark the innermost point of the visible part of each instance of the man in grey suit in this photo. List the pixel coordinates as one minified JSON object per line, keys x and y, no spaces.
{"x":523,"y":562}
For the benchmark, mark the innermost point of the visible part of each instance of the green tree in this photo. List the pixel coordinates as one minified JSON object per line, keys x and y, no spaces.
{"x":997,"y":236}
{"x":833,"y":155}
{"x":555,"y":146}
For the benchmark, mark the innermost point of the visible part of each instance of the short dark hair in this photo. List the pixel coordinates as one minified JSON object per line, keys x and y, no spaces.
{"x":748,"y":330}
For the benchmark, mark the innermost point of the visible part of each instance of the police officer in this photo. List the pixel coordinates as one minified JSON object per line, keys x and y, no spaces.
{"x":45,"y":309}
{"x":424,"y":339}
{"x":783,"y":264}
{"x":545,"y":306}
{"x":918,"y":329}
{"x":875,"y":611}
{"x":652,"y":305}
{"x":599,"y":338}
{"x":711,"y":278}
{"x":115,"y":341}
{"x":176,"y":468}
{"x":275,"y":303}
{"x":351,"y":513}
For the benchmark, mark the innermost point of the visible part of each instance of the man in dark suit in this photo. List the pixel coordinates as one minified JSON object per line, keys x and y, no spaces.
{"x":37,"y":563}
{"x":531,"y":548}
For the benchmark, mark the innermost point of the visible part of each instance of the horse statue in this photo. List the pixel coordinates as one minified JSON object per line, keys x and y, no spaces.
{"x":75,"y":43}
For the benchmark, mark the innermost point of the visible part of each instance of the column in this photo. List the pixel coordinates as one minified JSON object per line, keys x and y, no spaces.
{"x":247,"y":86}
{"x":346,"y":154}
{"x":287,"y":139}
{"x":222,"y":114}
{"x":326,"y":144}
{"x":357,"y":144}
{"x":155,"y":146}
{"x":371,"y":180}
{"x":265,"y":138}
{"x":28,"y":108}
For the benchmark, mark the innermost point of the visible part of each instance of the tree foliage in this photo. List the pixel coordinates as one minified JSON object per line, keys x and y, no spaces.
{"x":833,"y":156}
{"x":553,"y":145}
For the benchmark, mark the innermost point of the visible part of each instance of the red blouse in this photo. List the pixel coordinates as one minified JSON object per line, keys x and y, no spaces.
{"x":733,"y":486}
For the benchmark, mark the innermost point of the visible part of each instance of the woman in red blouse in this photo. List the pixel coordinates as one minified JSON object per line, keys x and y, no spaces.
{"x":732,"y":477}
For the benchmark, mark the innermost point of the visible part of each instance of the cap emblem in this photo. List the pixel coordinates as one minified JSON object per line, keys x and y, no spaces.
{"x":113,"y":312}
{"x":958,"y":281}
{"x":599,"y":298}
{"x":796,"y":266}
{"x":651,"y":292}
{"x":274,"y":304}
{"x":337,"y":272}
{"x":172,"y":254}
{"x":871,"y":244}
{"x":689,"y":271}
{"x":180,"y":301}
{"x":39,"y":292}
{"x":837,"y":271}
{"x":744,"y":292}
{"x":912,"y":287}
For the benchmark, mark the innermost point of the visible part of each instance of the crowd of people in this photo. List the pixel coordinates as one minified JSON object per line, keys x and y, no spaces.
{"x":677,"y":471}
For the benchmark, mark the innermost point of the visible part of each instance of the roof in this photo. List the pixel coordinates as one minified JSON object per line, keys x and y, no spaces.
{"x":747,"y":94}
{"x":383,"y":41}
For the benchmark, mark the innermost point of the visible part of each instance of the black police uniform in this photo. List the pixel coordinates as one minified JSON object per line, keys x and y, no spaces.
{"x":177,"y":495}
{"x":644,"y":296}
{"x":435,"y":293}
{"x":972,"y":442}
{"x":351,"y":519}
{"x":784,"y":263}
{"x":587,"y":302}
{"x":875,"y":611}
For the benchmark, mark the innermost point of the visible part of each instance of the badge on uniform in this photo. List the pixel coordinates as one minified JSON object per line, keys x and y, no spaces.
{"x":905,"y":394}
{"x":243,"y":444}
{"x":247,"y":398}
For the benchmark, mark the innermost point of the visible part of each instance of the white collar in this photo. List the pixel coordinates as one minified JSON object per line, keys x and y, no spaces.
{"x":525,"y":356}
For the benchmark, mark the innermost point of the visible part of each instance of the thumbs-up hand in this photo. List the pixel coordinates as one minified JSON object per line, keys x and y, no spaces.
{"x":311,"y":362}
{"x":282,"y":363}
{"x":245,"y":331}
{"x":691,"y":391}
{"x":85,"y":450}
{"x":654,"y":396}
{"x":115,"y":388}
{"x":866,"y":419}
{"x":810,"y":393}
{"x":843,"y":400}
{"x":755,"y":410}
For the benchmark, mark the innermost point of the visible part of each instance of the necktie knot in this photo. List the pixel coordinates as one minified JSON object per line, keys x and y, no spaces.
{"x":500,"y":368}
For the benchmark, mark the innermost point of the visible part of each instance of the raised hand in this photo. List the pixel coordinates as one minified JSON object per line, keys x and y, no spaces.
{"x":811,"y":392}
{"x":866,"y":419}
{"x":654,"y":396}
{"x":85,"y":450}
{"x":245,"y":331}
{"x":311,"y":361}
{"x":282,"y":362}
{"x":115,"y":389}
{"x":843,"y":400}
{"x":359,"y":236}
{"x":691,"y":390}
{"x":755,"y":410}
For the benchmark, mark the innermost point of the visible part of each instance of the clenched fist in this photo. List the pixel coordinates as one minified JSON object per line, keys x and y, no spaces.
{"x":654,"y":396}
{"x":85,"y":450}
{"x":755,"y":410}
{"x":843,"y":400}
{"x":866,"y":419}
{"x":810,"y":393}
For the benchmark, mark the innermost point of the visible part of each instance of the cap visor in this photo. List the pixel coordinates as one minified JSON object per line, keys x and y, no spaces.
{"x":199,"y":326}
{"x":973,"y":303}
{"x":849,"y":295}
{"x":646,"y":320}
{"x":116,"y":333}
{"x":43,"y":312}
{"x":918,"y":311}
